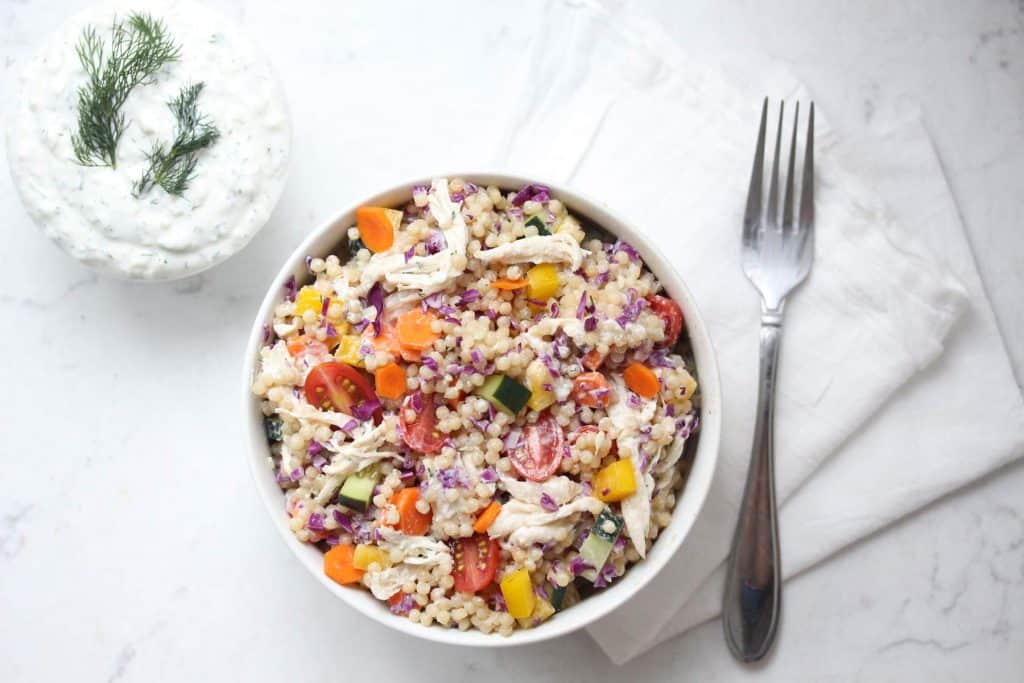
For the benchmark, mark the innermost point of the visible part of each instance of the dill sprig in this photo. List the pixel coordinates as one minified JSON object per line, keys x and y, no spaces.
{"x":172,"y":168}
{"x":139,"y":47}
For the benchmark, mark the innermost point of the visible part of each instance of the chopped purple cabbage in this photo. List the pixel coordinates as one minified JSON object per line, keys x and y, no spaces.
{"x":534,"y":191}
{"x":376,"y":299}
{"x":316,"y":522}
{"x":291,"y":289}
{"x":547,"y":502}
{"x":436,"y":242}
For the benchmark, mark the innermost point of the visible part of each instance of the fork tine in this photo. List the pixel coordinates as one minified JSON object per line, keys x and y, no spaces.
{"x":752,"y":216}
{"x":772,"y":212}
{"x":787,"y":201}
{"x":807,"y":186}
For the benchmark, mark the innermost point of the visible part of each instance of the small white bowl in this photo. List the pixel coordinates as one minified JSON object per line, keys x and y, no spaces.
{"x":327,"y":236}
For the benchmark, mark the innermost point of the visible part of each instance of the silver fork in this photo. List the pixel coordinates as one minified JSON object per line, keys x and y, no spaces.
{"x":776,"y":258}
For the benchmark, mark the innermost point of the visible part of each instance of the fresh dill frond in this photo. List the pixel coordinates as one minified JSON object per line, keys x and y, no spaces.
{"x":139,"y":47}
{"x":172,"y":168}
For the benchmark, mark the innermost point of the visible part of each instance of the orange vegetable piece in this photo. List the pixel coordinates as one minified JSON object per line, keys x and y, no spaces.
{"x":592,"y":359}
{"x":414,"y":331}
{"x":487,"y":517}
{"x":302,"y":345}
{"x":642,"y":380}
{"x":390,"y":381}
{"x":375,"y":228}
{"x":509,"y":285}
{"x":411,"y":521}
{"x":338,"y":565}
{"x":591,"y":389}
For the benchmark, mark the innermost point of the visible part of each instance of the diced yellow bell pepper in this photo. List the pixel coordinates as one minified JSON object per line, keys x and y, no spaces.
{"x":541,"y":612}
{"x":615,"y":482}
{"x":517,"y":590}
{"x":537,"y":375}
{"x":543,"y":282}
{"x":540,"y":399}
{"x":689,"y":387}
{"x":348,"y":350}
{"x":308,"y":299}
{"x":366,"y":555}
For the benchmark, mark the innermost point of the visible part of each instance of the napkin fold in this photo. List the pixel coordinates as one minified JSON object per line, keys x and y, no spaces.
{"x":668,"y":142}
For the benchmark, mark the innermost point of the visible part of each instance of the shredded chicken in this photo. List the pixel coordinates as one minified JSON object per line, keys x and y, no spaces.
{"x":557,"y":248}
{"x":561,"y":489}
{"x":419,"y":555}
{"x":527,"y":523}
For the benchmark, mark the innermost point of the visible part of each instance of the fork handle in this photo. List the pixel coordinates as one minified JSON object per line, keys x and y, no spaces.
{"x":750,"y":611}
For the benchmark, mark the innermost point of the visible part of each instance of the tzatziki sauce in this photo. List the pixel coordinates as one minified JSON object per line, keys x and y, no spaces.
{"x":92,"y":211}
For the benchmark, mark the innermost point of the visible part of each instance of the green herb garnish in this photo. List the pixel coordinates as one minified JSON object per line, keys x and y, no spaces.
{"x":139,"y":47}
{"x":172,"y":168}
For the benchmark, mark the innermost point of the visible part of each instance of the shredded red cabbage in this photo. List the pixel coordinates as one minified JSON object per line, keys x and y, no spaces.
{"x":534,"y":191}
{"x":590,"y":324}
{"x":403,"y":606}
{"x":489,"y":475}
{"x":436,"y":242}
{"x":605,"y":576}
{"x":547,"y":502}
{"x":578,"y":565}
{"x":601,"y":278}
{"x":316,"y":522}
{"x":670,"y":410}
{"x":416,"y":402}
{"x":554,"y":309}
{"x":469,"y":297}
{"x":309,"y":263}
{"x":319,"y":462}
{"x":267,"y":334}
{"x":376,"y":299}
{"x":472,"y":188}
{"x":330,"y":330}
{"x":296,"y":474}
{"x":537,"y":302}
{"x":457,"y":196}
{"x":634,"y":400}
{"x":325,"y":305}
{"x":366,"y":409}
{"x":631,"y":312}
{"x":581,"y":308}
{"x":624,"y":247}
{"x":291,"y":289}
{"x":315,"y":448}
{"x":453,"y":477}
{"x":430,"y":362}
{"x":409,"y":252}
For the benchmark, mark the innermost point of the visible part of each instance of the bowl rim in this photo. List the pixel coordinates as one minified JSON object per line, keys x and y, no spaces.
{"x":684,"y":513}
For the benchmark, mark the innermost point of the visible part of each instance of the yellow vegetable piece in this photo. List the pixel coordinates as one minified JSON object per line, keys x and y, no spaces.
{"x":540,"y":399}
{"x":348,"y":350}
{"x":537,"y":375}
{"x":308,"y":299}
{"x":366,"y":555}
{"x":541,"y":613}
{"x":615,"y":482}
{"x":518,"y":593}
{"x":689,"y":387}
{"x":543,"y":282}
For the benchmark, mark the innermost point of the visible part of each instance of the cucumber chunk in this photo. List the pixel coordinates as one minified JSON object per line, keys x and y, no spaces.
{"x":505,"y":393}
{"x":272,"y":426}
{"x":538,"y":222}
{"x":599,"y":542}
{"x":357,"y":491}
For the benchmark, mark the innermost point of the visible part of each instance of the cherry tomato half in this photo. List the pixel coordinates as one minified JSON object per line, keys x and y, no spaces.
{"x":421,"y":435}
{"x":591,"y":389}
{"x":545,"y":446}
{"x":670,"y":314}
{"x":338,"y":386}
{"x":476,"y":561}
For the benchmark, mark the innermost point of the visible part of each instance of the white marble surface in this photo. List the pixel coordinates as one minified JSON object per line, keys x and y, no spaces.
{"x":132,"y":545}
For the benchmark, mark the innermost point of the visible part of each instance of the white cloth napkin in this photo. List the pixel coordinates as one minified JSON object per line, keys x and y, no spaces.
{"x":625,"y":116}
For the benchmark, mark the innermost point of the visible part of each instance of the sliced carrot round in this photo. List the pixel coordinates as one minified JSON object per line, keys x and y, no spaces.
{"x":414,"y":329}
{"x":338,"y":565}
{"x":411,"y":521}
{"x":375,"y":228}
{"x":642,"y":380}
{"x":390,"y":381}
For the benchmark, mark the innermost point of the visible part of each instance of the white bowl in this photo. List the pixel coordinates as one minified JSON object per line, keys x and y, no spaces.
{"x":329,"y":234}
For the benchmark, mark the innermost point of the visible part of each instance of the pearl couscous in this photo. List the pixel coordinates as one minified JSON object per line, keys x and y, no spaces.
{"x":477,"y":408}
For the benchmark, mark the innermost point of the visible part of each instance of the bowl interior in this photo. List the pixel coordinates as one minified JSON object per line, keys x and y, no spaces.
{"x":688,"y":505}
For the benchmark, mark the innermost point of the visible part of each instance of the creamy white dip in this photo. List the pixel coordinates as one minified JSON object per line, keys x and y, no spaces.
{"x":91,"y":211}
